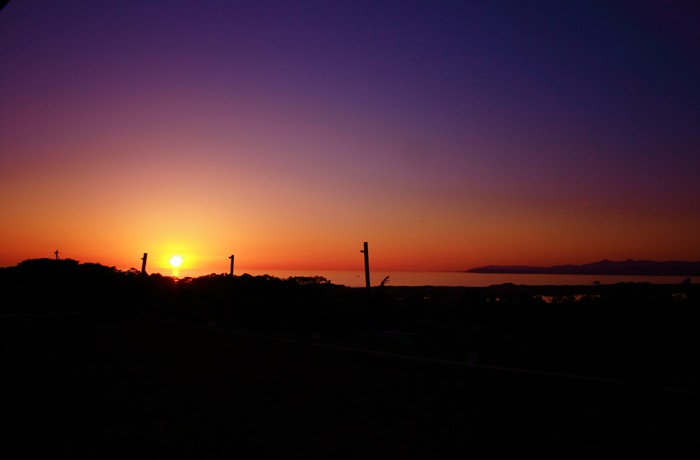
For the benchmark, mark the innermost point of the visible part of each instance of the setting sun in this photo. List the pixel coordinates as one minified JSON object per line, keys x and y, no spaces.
{"x":176,"y":261}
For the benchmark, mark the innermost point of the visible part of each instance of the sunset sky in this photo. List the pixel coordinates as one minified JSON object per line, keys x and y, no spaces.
{"x":447,"y":134}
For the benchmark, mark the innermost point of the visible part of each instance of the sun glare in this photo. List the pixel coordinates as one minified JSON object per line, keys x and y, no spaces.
{"x":176,"y":261}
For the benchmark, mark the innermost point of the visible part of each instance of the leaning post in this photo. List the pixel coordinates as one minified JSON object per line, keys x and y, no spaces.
{"x":143,"y":263}
{"x":231,"y":272}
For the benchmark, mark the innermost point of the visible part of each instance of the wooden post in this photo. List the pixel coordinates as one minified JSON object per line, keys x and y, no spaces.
{"x":366,"y":252}
{"x":143,"y":264}
{"x":231,"y":257}
{"x":56,"y":252}
{"x":370,"y":320}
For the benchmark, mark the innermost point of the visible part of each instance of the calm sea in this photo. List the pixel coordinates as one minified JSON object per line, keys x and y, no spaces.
{"x":401,"y":278}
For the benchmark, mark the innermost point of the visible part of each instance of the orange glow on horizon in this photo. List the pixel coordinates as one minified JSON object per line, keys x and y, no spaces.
{"x":300,"y":230}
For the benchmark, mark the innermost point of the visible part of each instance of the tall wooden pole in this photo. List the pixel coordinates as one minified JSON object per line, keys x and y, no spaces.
{"x":231,"y":257}
{"x":366,"y":252}
{"x":143,"y":264}
{"x":370,"y":320}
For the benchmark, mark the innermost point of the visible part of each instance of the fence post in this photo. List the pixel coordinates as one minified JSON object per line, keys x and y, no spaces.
{"x":370,"y":320}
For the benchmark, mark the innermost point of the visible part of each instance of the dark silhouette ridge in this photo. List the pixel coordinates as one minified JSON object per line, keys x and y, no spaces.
{"x":603,"y":267}
{"x":506,"y":324}
{"x":153,"y":364}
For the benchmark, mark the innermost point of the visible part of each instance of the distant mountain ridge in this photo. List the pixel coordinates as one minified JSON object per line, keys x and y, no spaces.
{"x":603,"y":267}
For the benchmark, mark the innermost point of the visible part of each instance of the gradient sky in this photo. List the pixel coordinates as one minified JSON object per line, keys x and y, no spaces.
{"x":447,"y":134}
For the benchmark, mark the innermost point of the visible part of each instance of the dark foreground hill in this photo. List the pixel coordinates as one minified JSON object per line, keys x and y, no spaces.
{"x":113,"y":388}
{"x":100,"y":363}
{"x":621,"y":331}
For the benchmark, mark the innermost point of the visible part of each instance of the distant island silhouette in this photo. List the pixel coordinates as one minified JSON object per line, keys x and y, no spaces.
{"x":604,"y":267}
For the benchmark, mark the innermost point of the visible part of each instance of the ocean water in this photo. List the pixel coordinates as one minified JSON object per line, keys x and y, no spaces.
{"x":356,"y":278}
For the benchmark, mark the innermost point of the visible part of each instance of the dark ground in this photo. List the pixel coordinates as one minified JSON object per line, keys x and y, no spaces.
{"x":107,"y":387}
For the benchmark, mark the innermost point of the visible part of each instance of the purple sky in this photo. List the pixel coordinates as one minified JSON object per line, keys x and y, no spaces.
{"x":463,"y":133}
